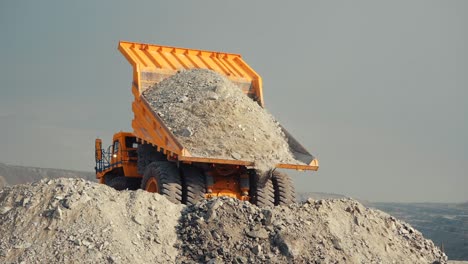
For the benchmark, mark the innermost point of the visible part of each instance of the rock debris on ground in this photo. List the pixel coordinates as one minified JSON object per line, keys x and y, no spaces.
{"x":226,"y":230}
{"x":213,"y":118}
{"x":76,"y":221}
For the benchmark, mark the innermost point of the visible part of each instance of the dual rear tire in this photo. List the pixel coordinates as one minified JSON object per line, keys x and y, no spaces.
{"x":194,"y":185}
{"x":186,"y":185}
{"x":277,"y":190}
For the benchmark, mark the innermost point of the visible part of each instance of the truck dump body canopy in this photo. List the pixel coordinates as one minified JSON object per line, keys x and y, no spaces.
{"x":153,"y":63}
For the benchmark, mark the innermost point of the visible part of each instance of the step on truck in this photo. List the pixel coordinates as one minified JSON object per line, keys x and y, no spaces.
{"x":152,"y":158}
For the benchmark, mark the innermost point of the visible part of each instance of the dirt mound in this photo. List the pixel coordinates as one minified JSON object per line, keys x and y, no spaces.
{"x":213,"y":118}
{"x":76,"y":221}
{"x":72,"y":220}
{"x":324,"y":231}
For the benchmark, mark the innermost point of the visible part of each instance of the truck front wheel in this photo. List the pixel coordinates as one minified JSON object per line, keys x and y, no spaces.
{"x":164,"y":178}
{"x":119,"y":183}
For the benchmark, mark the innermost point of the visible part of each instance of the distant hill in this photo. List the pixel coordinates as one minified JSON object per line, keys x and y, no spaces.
{"x":11,"y":174}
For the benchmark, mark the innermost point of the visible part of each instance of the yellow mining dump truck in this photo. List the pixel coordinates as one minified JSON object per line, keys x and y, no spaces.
{"x":152,"y":158}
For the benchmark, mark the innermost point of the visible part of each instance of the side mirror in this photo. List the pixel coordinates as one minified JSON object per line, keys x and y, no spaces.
{"x":98,"y":149}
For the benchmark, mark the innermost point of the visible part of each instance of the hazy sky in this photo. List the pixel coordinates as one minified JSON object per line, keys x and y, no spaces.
{"x":378,"y":91}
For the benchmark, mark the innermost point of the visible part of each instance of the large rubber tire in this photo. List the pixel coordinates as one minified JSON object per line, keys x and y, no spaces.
{"x":119,"y":183}
{"x":285,"y":193}
{"x":108,"y":178}
{"x":146,"y":155}
{"x":261,"y":196}
{"x":166,"y":177}
{"x":133,"y":183}
{"x":194,"y":184}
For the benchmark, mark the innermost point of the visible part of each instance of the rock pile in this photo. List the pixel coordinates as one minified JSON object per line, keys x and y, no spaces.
{"x":76,"y":221}
{"x":324,"y":231}
{"x":212,"y":117}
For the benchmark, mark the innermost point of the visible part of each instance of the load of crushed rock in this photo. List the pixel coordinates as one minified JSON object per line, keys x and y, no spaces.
{"x":213,"y":118}
{"x":71,"y":220}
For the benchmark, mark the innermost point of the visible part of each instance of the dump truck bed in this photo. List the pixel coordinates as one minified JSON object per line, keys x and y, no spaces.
{"x":153,"y":63}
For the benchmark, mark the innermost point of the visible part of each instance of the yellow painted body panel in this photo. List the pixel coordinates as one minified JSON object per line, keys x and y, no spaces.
{"x":153,"y":63}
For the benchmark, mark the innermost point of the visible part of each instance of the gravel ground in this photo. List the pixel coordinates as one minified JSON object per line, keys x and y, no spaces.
{"x":76,"y":221}
{"x":212,"y":117}
{"x":322,"y":231}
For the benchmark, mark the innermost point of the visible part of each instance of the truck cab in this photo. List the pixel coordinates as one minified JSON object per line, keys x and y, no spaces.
{"x":119,"y":159}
